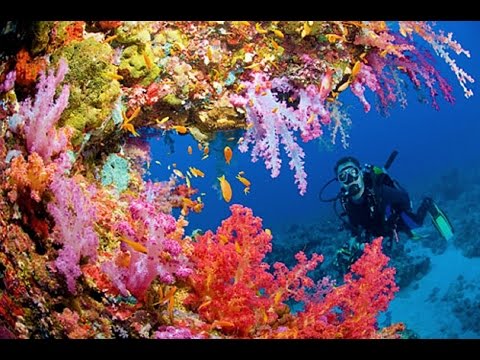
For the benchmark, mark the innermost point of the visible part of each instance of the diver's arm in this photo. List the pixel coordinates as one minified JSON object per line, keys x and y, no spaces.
{"x":398,"y":199}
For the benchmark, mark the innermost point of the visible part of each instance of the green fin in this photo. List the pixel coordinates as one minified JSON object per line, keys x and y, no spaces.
{"x":441,"y":222}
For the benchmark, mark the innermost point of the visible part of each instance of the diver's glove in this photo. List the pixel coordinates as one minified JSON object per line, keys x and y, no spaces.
{"x":348,"y":254}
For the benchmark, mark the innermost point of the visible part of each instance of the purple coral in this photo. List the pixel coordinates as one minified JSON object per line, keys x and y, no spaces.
{"x":41,"y":115}
{"x":74,"y":217}
{"x":275,"y":121}
{"x":164,"y":256}
{"x":9,"y":81}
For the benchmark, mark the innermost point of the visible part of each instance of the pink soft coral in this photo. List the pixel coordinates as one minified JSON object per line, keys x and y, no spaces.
{"x":40,"y":116}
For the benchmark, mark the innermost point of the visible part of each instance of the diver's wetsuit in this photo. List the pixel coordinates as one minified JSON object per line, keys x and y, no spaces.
{"x":382,"y":211}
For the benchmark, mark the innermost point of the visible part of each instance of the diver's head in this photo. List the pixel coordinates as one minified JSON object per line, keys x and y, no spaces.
{"x":349,"y":174}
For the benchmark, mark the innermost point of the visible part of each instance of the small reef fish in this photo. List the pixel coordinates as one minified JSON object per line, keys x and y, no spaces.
{"x":134,"y":245}
{"x":196,"y":172}
{"x":163,"y":121}
{"x":225,"y":188}
{"x":228,"y":154}
{"x":189,"y":150}
{"x":180,"y":129}
{"x":178,"y":173}
{"x":243,"y":180}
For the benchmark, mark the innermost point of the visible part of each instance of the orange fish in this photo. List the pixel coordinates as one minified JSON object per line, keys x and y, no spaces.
{"x":226,"y":188}
{"x":228,"y":154}
{"x":196,"y":172}
{"x":243,"y":180}
{"x":190,"y":150}
{"x":198,"y":207}
{"x":206,"y":150}
{"x":180,"y":129}
{"x":134,"y":245}
{"x":223,"y":239}
{"x":356,"y":68}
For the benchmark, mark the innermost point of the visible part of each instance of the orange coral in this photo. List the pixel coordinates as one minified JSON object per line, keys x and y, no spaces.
{"x":74,"y":31}
{"x":109,"y":25}
{"x":29,"y":176}
{"x":28,"y":69}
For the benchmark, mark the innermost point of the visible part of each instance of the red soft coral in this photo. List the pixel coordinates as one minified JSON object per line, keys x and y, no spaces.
{"x":350,"y":310}
{"x":233,"y":289}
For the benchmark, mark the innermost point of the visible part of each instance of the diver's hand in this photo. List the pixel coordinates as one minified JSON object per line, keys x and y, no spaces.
{"x":348,"y":254}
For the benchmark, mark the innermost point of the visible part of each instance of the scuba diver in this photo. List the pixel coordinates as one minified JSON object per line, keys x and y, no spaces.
{"x":376,"y":205}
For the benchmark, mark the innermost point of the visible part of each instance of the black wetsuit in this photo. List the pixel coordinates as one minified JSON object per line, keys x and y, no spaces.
{"x":383,"y":209}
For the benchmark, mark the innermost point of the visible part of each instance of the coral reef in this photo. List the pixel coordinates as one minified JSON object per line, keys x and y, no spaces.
{"x":89,"y":249}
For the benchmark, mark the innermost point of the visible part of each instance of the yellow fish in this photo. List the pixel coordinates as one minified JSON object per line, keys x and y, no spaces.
{"x":278,"y":33}
{"x":178,"y":173}
{"x":163,"y":121}
{"x":226,"y":188}
{"x":356,"y":68}
{"x":259,"y":29}
{"x":306,"y":30}
{"x":243,"y":180}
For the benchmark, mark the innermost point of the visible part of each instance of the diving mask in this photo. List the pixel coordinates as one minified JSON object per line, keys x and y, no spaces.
{"x":348,"y":175}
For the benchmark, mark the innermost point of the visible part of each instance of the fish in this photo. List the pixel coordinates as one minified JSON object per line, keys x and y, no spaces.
{"x":225,"y":188}
{"x":147,"y":60}
{"x":227,"y":151}
{"x":134,"y":245}
{"x":198,"y":207}
{"x":189,"y":150}
{"x":259,"y":29}
{"x":223,"y":239}
{"x":306,"y":30}
{"x":334,"y":37}
{"x":163,"y":121}
{"x":196,"y":172}
{"x":180,"y":129}
{"x":278,"y":33}
{"x":243,"y":180}
{"x":178,"y":173}
{"x":356,"y":68}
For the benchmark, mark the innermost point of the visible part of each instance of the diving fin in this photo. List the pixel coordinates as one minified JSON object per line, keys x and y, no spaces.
{"x":441,"y":222}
